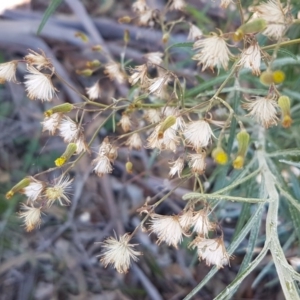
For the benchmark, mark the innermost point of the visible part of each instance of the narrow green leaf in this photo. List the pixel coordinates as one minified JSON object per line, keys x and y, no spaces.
{"x":291,"y":163}
{"x":243,"y":217}
{"x":250,"y":249}
{"x":49,"y":11}
{"x":181,"y":45}
{"x":193,"y":195}
{"x":285,"y":52}
{"x":285,"y":152}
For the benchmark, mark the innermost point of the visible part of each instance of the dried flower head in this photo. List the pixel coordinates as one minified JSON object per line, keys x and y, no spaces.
{"x":154,"y":57}
{"x":195,"y":33}
{"x":40,"y":61}
{"x":147,"y":17}
{"x":152,"y":115}
{"x":39,"y":85}
{"x":114,"y":72}
{"x":264,"y":109}
{"x":125,"y":122}
{"x":276,"y":16}
{"x":94,"y":92}
{"x":8,"y":71}
{"x":102,"y":165}
{"x":225,"y":3}
{"x":169,"y":141}
{"x":34,"y":189}
{"x":159,"y":83}
{"x":69,"y":130}
{"x":197,"y":162}
{"x":198,"y":134}
{"x":140,"y":6}
{"x":212,"y":251}
{"x":186,"y":220}
{"x":81,"y":144}
{"x":251,"y":59}
{"x":177,"y":167}
{"x":139,"y":73}
{"x":119,"y":253}
{"x":31,"y":216}
{"x":178,"y":5}
{"x":213,"y":52}
{"x":102,"y":162}
{"x":167,"y":229}
{"x":58,"y":192}
{"x":52,"y":122}
{"x":134,"y":142}
{"x":201,"y":222}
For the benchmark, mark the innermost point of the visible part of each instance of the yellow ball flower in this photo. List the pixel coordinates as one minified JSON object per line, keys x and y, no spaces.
{"x":278,"y":76}
{"x":238,"y":163}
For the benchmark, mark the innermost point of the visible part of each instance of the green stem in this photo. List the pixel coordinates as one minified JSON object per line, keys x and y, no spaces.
{"x":287,"y":43}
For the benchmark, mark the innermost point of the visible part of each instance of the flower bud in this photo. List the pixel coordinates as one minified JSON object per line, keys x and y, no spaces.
{"x":82,"y":36}
{"x":238,"y":163}
{"x":167,"y":123}
{"x":62,"y":108}
{"x":219,"y":156}
{"x":238,"y":35}
{"x":165,"y":38}
{"x":254,"y":26}
{"x":129,"y":167}
{"x":243,"y":142}
{"x":85,"y":72}
{"x":97,"y":48}
{"x":266,"y":78}
{"x":126,"y":37}
{"x":71,"y":149}
{"x":285,"y":105}
{"x":18,"y":187}
{"x":93,"y":64}
{"x":124,"y":20}
{"x":257,"y":25}
{"x":278,"y":76}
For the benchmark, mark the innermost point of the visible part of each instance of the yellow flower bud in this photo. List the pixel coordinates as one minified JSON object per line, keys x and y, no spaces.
{"x":125,"y":19}
{"x":126,"y":37}
{"x":85,"y":72}
{"x":97,"y":48}
{"x":243,"y":142}
{"x":165,"y":38}
{"x":286,"y":121}
{"x":62,"y":108}
{"x":266,"y":78}
{"x":167,"y":123}
{"x":93,"y":64}
{"x":129,"y":167}
{"x":71,"y":149}
{"x":82,"y":36}
{"x":220,"y":156}
{"x":60,"y":161}
{"x":278,"y":76}
{"x":285,"y":105}
{"x":257,"y":25}
{"x":238,"y":35}
{"x":238,"y":163}
{"x":18,"y":187}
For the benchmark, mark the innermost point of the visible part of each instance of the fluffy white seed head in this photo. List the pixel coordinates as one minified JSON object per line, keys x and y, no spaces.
{"x":39,"y":85}
{"x":264,"y":109}
{"x":119,"y":253}
{"x":213,"y":52}
{"x":167,"y":229}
